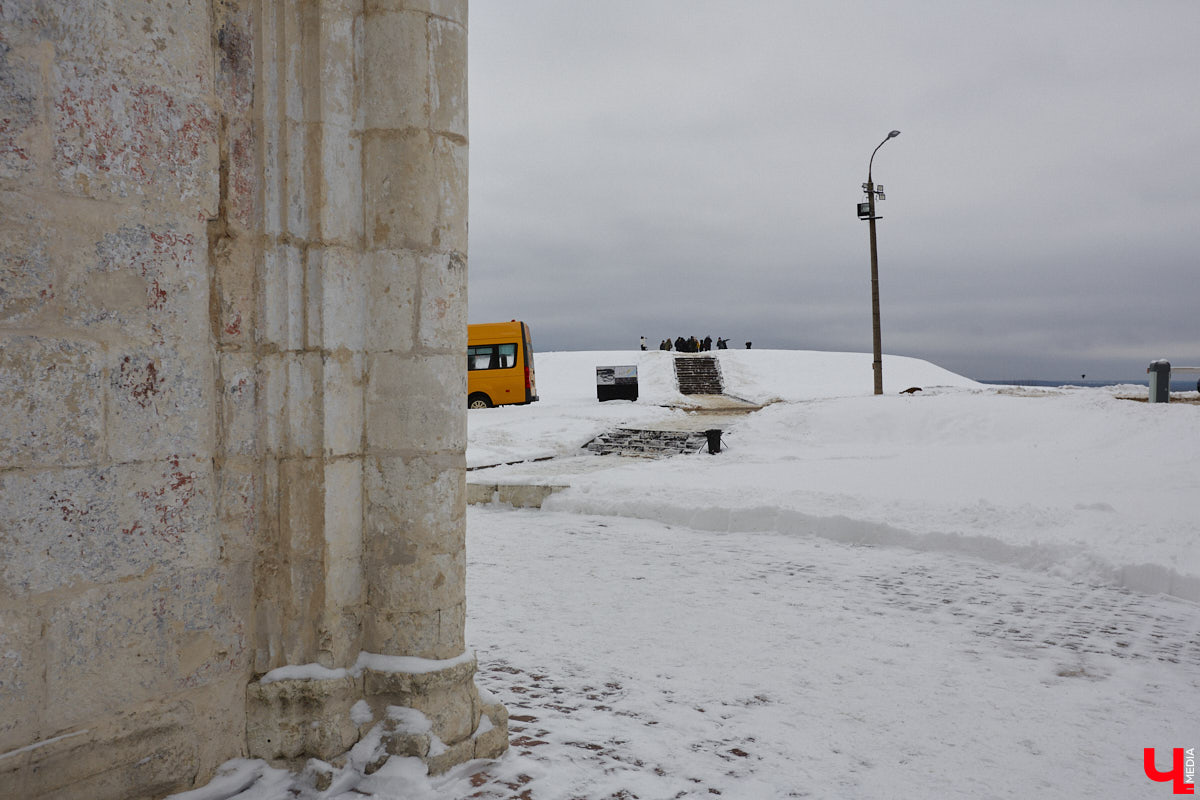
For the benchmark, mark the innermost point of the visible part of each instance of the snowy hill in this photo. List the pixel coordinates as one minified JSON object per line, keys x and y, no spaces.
{"x":1074,"y":481}
{"x":759,"y":375}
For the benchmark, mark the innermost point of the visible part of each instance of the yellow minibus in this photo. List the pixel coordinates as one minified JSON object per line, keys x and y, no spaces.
{"x":500,"y":365}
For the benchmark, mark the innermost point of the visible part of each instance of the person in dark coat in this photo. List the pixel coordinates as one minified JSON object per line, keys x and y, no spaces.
{"x":707,"y":343}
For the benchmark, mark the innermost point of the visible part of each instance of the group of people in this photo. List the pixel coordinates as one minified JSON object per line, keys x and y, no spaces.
{"x":692,"y":344}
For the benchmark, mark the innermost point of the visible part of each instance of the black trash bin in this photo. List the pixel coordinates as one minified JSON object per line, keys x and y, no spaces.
{"x":1160,"y":381}
{"x":714,"y":439}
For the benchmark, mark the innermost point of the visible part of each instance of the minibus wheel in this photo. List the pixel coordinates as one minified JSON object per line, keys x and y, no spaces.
{"x":479,"y":400}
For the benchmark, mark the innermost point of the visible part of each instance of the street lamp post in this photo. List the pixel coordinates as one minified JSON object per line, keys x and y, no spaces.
{"x":870,"y":189}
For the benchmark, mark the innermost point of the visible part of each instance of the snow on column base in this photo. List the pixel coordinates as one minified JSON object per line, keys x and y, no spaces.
{"x":430,"y":709}
{"x":408,"y":733}
{"x":299,"y":718}
{"x":462,"y":726}
{"x":491,"y":737}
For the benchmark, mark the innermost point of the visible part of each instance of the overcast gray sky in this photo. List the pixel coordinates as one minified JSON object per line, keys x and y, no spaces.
{"x":679,"y":167}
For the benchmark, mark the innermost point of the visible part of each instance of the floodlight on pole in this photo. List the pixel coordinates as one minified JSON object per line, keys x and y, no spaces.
{"x":867,"y":211}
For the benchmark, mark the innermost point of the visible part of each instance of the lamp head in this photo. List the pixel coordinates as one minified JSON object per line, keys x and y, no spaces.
{"x":893,"y":134}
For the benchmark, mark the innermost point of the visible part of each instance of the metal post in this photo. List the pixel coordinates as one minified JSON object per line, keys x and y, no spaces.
{"x":876,"y":335}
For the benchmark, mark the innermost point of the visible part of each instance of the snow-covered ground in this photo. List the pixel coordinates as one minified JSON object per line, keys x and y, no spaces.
{"x":1078,"y":482}
{"x":967,"y":591}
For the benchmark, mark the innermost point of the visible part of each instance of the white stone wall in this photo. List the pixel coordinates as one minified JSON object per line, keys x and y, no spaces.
{"x":122,"y":616}
{"x":232,"y":318}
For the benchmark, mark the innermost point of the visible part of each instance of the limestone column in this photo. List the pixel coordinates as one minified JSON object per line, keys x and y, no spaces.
{"x":415,"y":163}
{"x":364,"y":284}
{"x":415,"y":207}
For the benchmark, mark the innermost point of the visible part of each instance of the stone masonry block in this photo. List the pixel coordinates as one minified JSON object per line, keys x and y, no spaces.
{"x":294,"y":32}
{"x":268,"y":627}
{"x":283,"y":297}
{"x":452,"y":756}
{"x":304,"y":410}
{"x":343,"y":403}
{"x":84,"y":640}
{"x":301,"y":508}
{"x":396,"y":88}
{"x":492,"y":742}
{"x":452,"y":623}
{"x":96,"y":525}
{"x":165,"y":513}
{"x":234,"y":305}
{"x":239,"y":401}
{"x":274,"y":154}
{"x":527,"y":496}
{"x":40,"y":379}
{"x":446,"y":696}
{"x":156,"y":401}
{"x":104,"y":525}
{"x":453,"y":10}
{"x":234,"y":24}
{"x":448,"y":84}
{"x":148,"y":751}
{"x":205,"y":613}
{"x":272,"y":370}
{"x":292,"y":399}
{"x":239,"y":509}
{"x":341,"y":213}
{"x":302,"y":140}
{"x":30,"y":278}
{"x":218,"y":722}
{"x":345,"y":288}
{"x":303,"y":595}
{"x":432,"y":583}
{"x":60,"y":526}
{"x":23,"y":127}
{"x":391,"y":300}
{"x":299,"y":717}
{"x":443,"y":309}
{"x":244,"y":172}
{"x":339,"y":54}
{"x":169,"y":46}
{"x":391,"y":632}
{"x":147,"y":282}
{"x":420,"y":499}
{"x":22,"y":675}
{"x":313,"y":299}
{"x":116,"y":137}
{"x":433,"y":420}
{"x":450,"y":163}
{"x":344,"y":534}
{"x":400,"y":169}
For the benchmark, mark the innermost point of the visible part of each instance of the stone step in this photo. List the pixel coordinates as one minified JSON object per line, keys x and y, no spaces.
{"x":698,"y":375}
{"x":647,"y":443}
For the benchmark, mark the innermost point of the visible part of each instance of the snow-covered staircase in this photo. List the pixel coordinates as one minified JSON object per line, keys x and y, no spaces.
{"x":698,"y":375}
{"x":647,"y":443}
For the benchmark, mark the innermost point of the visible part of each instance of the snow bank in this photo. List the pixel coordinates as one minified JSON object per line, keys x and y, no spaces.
{"x":1077,"y":482}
